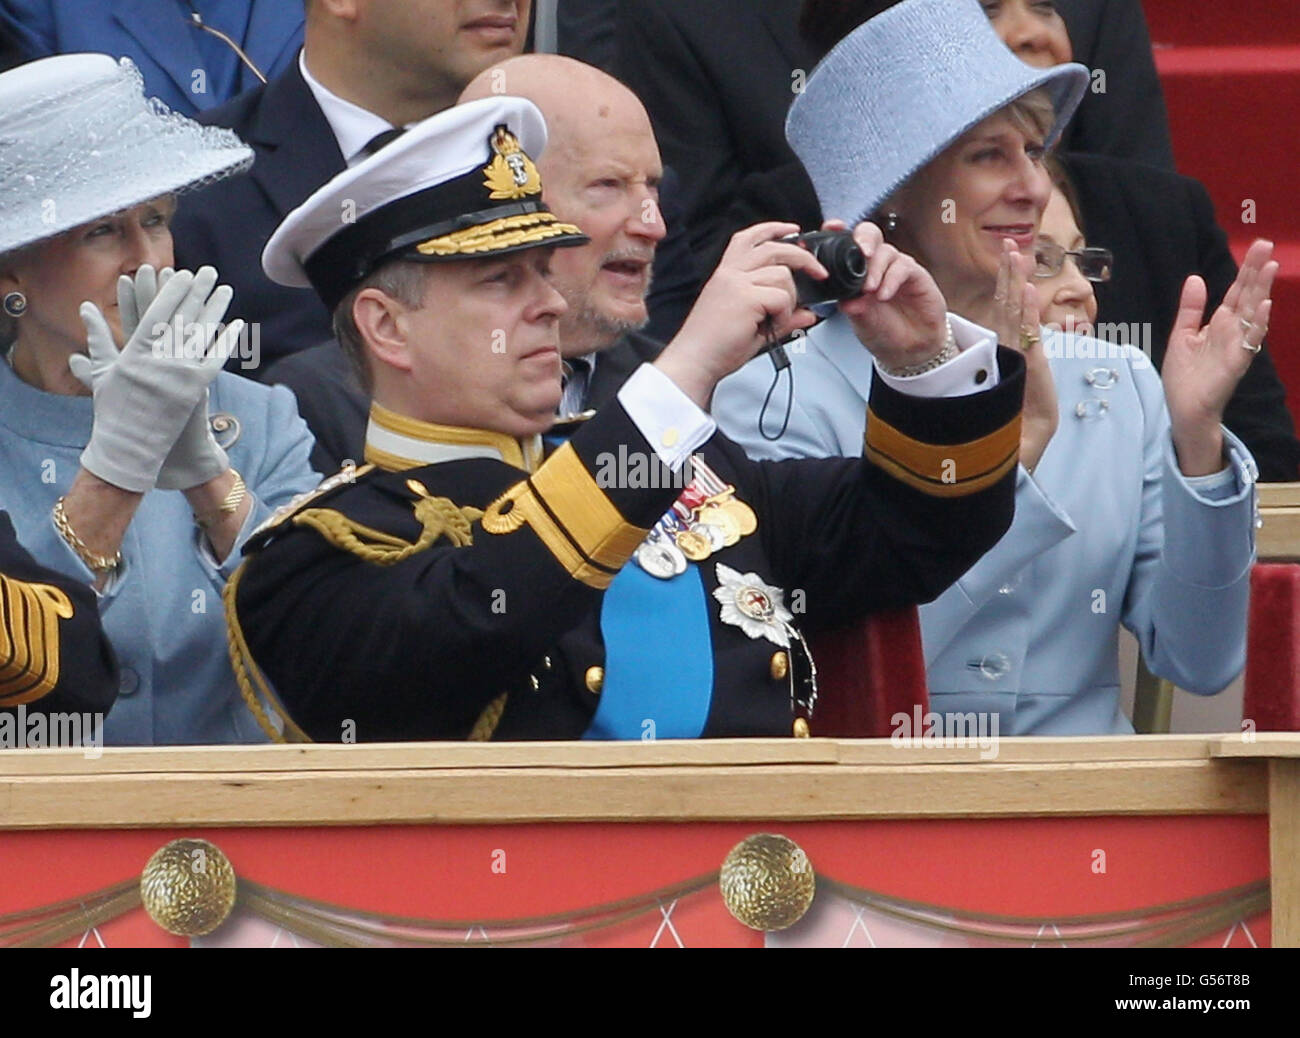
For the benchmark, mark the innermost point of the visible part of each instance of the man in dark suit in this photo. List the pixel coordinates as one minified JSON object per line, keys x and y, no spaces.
{"x":361,"y":74}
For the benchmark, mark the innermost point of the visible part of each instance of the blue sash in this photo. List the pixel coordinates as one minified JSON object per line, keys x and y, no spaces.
{"x":658,"y":657}
{"x":658,"y":654}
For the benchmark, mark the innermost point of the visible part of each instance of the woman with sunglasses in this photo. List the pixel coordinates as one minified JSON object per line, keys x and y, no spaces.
{"x":1133,"y":506}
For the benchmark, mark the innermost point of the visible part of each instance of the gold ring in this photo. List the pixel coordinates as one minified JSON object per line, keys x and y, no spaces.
{"x":1028,"y":339}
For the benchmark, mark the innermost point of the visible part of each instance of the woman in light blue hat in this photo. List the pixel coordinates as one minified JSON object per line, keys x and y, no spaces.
{"x":1134,"y":505}
{"x":128,"y":460}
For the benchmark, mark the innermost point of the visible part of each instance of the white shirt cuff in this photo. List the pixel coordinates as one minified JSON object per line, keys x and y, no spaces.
{"x":669,"y":420}
{"x":973,"y":370}
{"x":1203,"y":485}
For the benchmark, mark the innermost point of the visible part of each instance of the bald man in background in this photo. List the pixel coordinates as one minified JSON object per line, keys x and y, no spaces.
{"x":600,"y":170}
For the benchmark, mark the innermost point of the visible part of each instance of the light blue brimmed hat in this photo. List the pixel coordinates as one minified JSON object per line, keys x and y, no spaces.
{"x":79,"y":140}
{"x":900,"y":89}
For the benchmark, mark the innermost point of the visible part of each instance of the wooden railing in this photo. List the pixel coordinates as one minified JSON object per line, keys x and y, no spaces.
{"x":728,"y":780}
{"x":1278,"y":540}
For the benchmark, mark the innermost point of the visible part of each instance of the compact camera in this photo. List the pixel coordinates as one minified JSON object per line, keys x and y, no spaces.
{"x":843,"y":260}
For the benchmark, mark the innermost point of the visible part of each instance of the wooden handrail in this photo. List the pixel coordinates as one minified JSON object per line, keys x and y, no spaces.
{"x":769,"y":780}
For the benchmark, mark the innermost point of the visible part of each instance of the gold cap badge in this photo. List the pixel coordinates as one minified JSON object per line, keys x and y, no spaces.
{"x":511,"y":173}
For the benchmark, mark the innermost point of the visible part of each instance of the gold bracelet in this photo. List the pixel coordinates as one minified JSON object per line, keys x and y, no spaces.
{"x":229,"y":504}
{"x":97,"y":563}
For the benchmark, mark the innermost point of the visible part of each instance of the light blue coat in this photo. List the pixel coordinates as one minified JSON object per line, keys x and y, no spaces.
{"x":1106,"y":531}
{"x":163,"y":614}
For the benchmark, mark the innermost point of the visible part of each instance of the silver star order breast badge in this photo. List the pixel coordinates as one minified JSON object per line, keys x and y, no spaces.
{"x":755,"y":607}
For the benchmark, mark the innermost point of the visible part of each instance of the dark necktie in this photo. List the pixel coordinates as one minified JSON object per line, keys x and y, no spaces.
{"x":379,"y":140}
{"x":577,"y":373}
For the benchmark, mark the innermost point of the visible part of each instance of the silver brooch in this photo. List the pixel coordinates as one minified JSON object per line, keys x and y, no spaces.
{"x":1101,"y":378}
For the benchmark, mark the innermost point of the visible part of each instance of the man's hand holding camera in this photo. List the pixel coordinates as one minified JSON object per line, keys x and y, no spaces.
{"x":768,"y":277}
{"x":750,"y":297}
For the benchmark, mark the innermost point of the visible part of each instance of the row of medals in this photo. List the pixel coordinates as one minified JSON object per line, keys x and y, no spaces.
{"x":707,"y":517}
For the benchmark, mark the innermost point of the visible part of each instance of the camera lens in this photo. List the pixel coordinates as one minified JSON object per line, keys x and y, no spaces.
{"x":845,"y":264}
{"x":847,"y":259}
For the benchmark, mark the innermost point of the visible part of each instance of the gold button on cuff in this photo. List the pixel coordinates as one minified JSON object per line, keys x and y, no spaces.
{"x":780,"y":665}
{"x":801,"y":730}
{"x":669,"y":437}
{"x":595,"y":679}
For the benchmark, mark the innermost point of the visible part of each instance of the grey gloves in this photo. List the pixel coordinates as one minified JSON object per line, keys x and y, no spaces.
{"x":150,"y":399}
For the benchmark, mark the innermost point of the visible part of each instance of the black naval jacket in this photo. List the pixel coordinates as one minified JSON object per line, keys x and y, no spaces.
{"x":54,"y":656}
{"x":495,"y":634}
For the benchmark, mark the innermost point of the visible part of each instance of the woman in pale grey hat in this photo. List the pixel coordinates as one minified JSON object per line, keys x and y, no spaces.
{"x":126,"y":458}
{"x":1134,"y":505}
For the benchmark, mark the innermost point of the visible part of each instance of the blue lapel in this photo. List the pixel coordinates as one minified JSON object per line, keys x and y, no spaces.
{"x":273,"y":30}
{"x":163,"y":32}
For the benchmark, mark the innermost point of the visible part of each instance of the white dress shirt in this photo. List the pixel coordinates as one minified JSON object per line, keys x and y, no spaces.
{"x":354,"y":127}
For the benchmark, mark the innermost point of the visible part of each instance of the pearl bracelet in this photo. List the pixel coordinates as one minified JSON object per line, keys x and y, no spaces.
{"x":948,"y":352}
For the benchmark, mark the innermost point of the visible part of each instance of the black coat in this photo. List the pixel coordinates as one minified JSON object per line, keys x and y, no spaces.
{"x":227,"y":224}
{"x":1127,"y":119}
{"x":54,"y":656}
{"x":419,"y":649}
{"x":717,"y":77}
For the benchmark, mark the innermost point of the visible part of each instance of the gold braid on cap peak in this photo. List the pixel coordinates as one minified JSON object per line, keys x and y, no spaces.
{"x":504,"y":233}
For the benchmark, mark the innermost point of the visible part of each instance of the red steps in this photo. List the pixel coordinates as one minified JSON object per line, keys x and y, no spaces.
{"x":1198,"y":23}
{"x":1233,"y":114}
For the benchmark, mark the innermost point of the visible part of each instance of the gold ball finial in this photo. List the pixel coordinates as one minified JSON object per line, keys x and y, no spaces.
{"x":767,"y":882}
{"x":188,"y":887}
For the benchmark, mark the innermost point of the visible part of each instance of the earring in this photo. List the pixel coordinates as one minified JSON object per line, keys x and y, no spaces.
{"x":891,"y":221}
{"x":15,"y":304}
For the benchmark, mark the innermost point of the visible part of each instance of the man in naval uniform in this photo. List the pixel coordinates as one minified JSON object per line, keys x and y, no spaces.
{"x":634,"y":577}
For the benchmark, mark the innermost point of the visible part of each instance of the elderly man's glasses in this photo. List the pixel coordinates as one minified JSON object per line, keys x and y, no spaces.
{"x":1093,"y":264}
